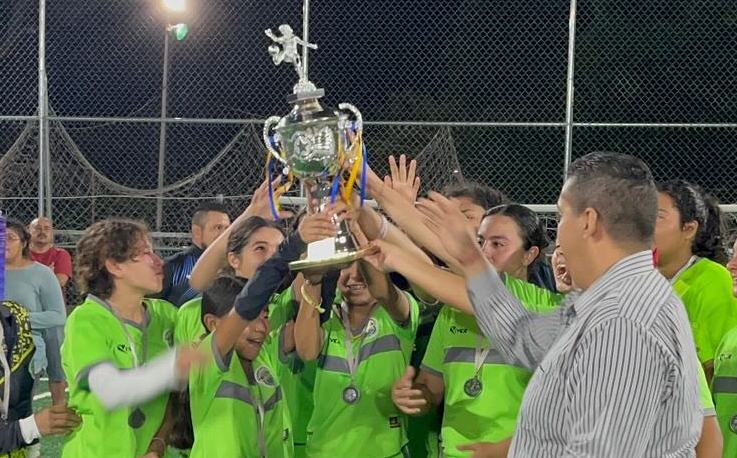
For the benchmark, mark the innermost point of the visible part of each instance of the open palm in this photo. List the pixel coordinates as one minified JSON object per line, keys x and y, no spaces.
{"x":449,"y":224}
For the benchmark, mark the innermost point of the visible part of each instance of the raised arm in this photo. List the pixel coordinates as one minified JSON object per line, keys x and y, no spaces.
{"x":523,"y":337}
{"x":407,"y":217}
{"x":215,"y":256}
{"x":308,"y":335}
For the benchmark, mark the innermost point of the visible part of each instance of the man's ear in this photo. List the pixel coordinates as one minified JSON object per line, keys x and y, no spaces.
{"x":591,"y":221}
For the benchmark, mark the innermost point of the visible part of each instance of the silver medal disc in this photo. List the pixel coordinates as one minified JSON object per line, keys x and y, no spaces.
{"x":473,"y":387}
{"x":351,"y":395}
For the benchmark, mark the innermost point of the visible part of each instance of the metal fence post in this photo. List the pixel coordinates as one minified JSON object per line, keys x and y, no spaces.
{"x":570,"y":88}
{"x":162,"y":134}
{"x":43,"y":106}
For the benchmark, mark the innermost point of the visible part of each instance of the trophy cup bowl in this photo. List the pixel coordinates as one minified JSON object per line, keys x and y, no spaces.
{"x":313,"y":142}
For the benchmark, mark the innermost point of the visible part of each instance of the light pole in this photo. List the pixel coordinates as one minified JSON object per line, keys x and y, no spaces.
{"x":180,"y":31}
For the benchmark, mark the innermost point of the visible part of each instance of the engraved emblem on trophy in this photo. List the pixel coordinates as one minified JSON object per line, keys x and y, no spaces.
{"x":314,"y":143}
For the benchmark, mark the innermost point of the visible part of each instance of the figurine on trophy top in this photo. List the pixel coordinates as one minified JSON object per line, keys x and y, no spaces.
{"x":316,"y":144}
{"x":284,"y":49}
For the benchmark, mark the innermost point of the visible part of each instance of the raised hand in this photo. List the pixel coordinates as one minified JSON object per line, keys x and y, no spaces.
{"x":449,"y":224}
{"x":403,"y":179}
{"x":58,"y":419}
{"x":188,"y":359}
{"x":408,"y":400}
{"x":260,"y":205}
{"x":316,"y":227}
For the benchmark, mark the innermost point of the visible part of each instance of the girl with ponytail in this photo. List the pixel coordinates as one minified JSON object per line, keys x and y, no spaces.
{"x":688,"y":237}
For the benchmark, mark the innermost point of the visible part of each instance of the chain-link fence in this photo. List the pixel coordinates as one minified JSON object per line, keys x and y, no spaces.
{"x":477,"y":90}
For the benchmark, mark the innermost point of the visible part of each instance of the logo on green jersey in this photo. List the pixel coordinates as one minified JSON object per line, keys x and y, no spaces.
{"x":454,"y":330}
{"x":263,"y":376}
{"x":372,"y":327}
{"x":733,"y":424}
{"x":724,"y":356}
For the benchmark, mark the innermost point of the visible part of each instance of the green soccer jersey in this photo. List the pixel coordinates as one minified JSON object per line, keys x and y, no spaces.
{"x":234,"y":418}
{"x":706,"y":290}
{"x":296,"y":377}
{"x":424,"y":432}
{"x":94,"y":335}
{"x":486,"y":412}
{"x":372,"y":426}
{"x":189,"y":322}
{"x":282,"y":308}
{"x":724,"y":387}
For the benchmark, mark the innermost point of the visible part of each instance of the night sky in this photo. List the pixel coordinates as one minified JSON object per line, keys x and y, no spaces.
{"x":653,"y":61}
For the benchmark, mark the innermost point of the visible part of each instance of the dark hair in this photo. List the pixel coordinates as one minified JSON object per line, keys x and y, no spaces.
{"x":219,"y":298}
{"x":694,"y":204}
{"x":481,"y":195}
{"x":200,"y":213}
{"x":25,"y":237}
{"x":531,"y":230}
{"x":621,"y":189}
{"x":113,"y":238}
{"x":241,"y":235}
{"x":243,"y":231}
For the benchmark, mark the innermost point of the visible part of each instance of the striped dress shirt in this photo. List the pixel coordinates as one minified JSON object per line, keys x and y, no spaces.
{"x":616,"y":369}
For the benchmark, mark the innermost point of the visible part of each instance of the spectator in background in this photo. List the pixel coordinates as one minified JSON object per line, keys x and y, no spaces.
{"x":59,"y":261}
{"x":34,"y":286}
{"x":208,"y":222}
{"x":43,"y":250}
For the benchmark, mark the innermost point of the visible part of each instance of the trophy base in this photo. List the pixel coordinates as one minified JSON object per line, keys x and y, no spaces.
{"x":337,"y":262}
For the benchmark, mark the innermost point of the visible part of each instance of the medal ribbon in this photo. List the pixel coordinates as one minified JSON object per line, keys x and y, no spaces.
{"x":480,"y":354}
{"x":350,"y":357}
{"x":260,"y":414}
{"x":690,"y":262}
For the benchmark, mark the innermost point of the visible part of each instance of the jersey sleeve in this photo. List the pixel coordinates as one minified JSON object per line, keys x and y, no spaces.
{"x":280,"y":309}
{"x":414,"y":314}
{"x":86,"y":345}
{"x":189,"y":327}
{"x":533,"y":297}
{"x":717,"y":314}
{"x":707,"y":403}
{"x":433,"y":360}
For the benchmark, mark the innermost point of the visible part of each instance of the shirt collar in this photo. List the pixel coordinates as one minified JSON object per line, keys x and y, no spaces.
{"x":635,"y":264}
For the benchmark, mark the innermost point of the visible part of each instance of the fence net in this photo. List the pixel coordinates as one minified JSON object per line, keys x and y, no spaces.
{"x":475,"y":89}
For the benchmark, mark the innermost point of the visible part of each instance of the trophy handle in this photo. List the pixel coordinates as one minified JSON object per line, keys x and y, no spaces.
{"x":356,"y":125}
{"x":271,"y":137}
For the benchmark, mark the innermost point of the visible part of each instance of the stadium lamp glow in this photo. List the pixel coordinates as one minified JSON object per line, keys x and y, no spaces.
{"x":180,"y":30}
{"x":174,"y":5}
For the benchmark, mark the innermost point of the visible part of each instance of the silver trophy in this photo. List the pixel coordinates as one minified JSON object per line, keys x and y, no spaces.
{"x":315,"y":142}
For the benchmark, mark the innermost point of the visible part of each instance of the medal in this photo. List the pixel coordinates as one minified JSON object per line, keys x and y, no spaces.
{"x":473,"y":387}
{"x":136,"y":419}
{"x":351,"y":395}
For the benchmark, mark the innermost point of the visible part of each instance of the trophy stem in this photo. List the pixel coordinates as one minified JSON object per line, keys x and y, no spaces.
{"x":306,"y":38}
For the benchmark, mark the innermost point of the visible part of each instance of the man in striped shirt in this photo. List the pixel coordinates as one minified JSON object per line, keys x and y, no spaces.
{"x":616,"y":369}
